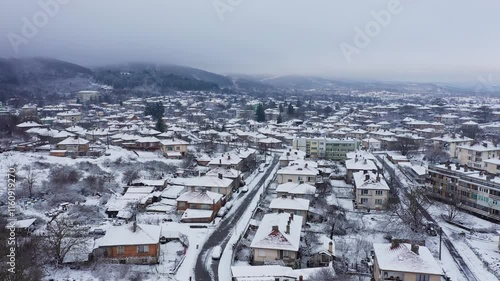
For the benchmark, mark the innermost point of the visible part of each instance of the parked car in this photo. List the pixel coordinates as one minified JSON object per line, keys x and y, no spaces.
{"x":244,"y":189}
{"x":222,"y":212}
{"x":216,"y":252}
{"x":98,"y":231}
{"x":228,"y":205}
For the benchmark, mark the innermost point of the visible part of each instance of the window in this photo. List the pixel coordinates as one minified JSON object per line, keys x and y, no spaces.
{"x":379,"y":201}
{"x":364,"y":201}
{"x":262,"y":253}
{"x":364,"y":191}
{"x":423,"y":277}
{"x":120,"y":250}
{"x":286,"y":253}
{"x":142,"y":249}
{"x":379,"y":192}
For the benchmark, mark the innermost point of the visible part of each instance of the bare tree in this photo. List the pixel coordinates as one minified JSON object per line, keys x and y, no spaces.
{"x":130,"y":175}
{"x":61,"y":237}
{"x":452,"y":211}
{"x":411,"y":207}
{"x":325,"y":274}
{"x":30,"y":179}
{"x":405,"y":144}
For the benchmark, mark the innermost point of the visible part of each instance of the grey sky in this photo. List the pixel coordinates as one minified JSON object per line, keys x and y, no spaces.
{"x":445,"y":40}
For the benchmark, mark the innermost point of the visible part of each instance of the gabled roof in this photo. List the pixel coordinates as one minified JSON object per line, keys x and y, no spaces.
{"x":124,"y":235}
{"x":267,"y":238}
{"x":369,"y":180}
{"x":288,"y":203}
{"x":402,"y":259}
{"x":200,"y":197}
{"x":73,"y":141}
{"x":296,"y":188}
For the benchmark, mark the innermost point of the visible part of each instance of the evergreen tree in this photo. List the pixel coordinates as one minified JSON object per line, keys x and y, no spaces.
{"x":279,"y":120}
{"x":160,"y":126}
{"x":281,"y":108}
{"x":290,"y":111}
{"x":260,"y":114}
{"x":299,"y":103}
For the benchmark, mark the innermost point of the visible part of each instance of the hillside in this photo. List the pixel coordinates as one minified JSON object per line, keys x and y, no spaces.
{"x":32,"y":70}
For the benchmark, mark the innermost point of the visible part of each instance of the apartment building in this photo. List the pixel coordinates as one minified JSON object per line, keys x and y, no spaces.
{"x":449,"y":143}
{"x":474,"y":154}
{"x":476,"y":191}
{"x":371,"y":190}
{"x":327,"y":148}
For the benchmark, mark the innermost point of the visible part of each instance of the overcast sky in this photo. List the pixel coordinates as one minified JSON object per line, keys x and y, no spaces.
{"x":445,"y":40}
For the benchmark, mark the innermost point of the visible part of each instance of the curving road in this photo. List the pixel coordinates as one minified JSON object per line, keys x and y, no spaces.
{"x":205,"y":268}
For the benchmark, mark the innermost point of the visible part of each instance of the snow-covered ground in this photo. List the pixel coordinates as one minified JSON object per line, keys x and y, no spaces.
{"x":226,"y":259}
{"x":479,"y":249}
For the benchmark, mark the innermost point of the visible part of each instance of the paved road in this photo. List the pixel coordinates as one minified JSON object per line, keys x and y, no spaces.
{"x":223,"y":232}
{"x":451,"y":248}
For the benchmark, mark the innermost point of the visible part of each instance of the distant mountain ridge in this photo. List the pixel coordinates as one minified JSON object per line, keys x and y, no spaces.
{"x":27,"y":70}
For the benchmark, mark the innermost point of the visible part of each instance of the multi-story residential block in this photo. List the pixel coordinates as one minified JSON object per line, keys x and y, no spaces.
{"x":335,"y":149}
{"x":277,"y":239}
{"x":475,"y":191}
{"x":474,"y":154}
{"x":449,"y":143}
{"x":371,"y":190}
{"x":298,"y":173}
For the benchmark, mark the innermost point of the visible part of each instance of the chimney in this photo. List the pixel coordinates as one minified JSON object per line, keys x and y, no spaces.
{"x":220,"y":161}
{"x":220,"y":176}
{"x":394,"y":243}
{"x":466,"y":168}
{"x":134,"y":226}
{"x":293,"y":196}
{"x":229,"y":157}
{"x":457,"y":166}
{"x":367,"y":177}
{"x":287,"y":231}
{"x":288,"y":154}
{"x":330,"y":247}
{"x":414,"y":248}
{"x":305,"y":166}
{"x":448,"y":166}
{"x":275,"y":228}
{"x":291,"y":217}
{"x":301,"y":278}
{"x":378,"y":177}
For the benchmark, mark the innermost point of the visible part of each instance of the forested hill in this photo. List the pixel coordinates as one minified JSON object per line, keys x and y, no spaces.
{"x":156,"y":79}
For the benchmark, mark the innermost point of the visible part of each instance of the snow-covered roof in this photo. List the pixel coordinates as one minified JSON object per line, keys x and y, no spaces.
{"x":73,"y":141}
{"x":205,"y":181}
{"x":124,"y":235}
{"x":296,"y":188}
{"x":197,"y":214}
{"x":168,"y":142}
{"x":298,"y":170}
{"x":262,"y":271}
{"x":369,"y":180}
{"x":360,"y":164}
{"x":452,"y":138}
{"x":200,"y":197}
{"x":402,"y":259}
{"x":268,"y":237}
{"x":288,"y":203}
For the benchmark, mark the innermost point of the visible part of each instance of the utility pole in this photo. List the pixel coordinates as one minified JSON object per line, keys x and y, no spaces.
{"x":440,"y":239}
